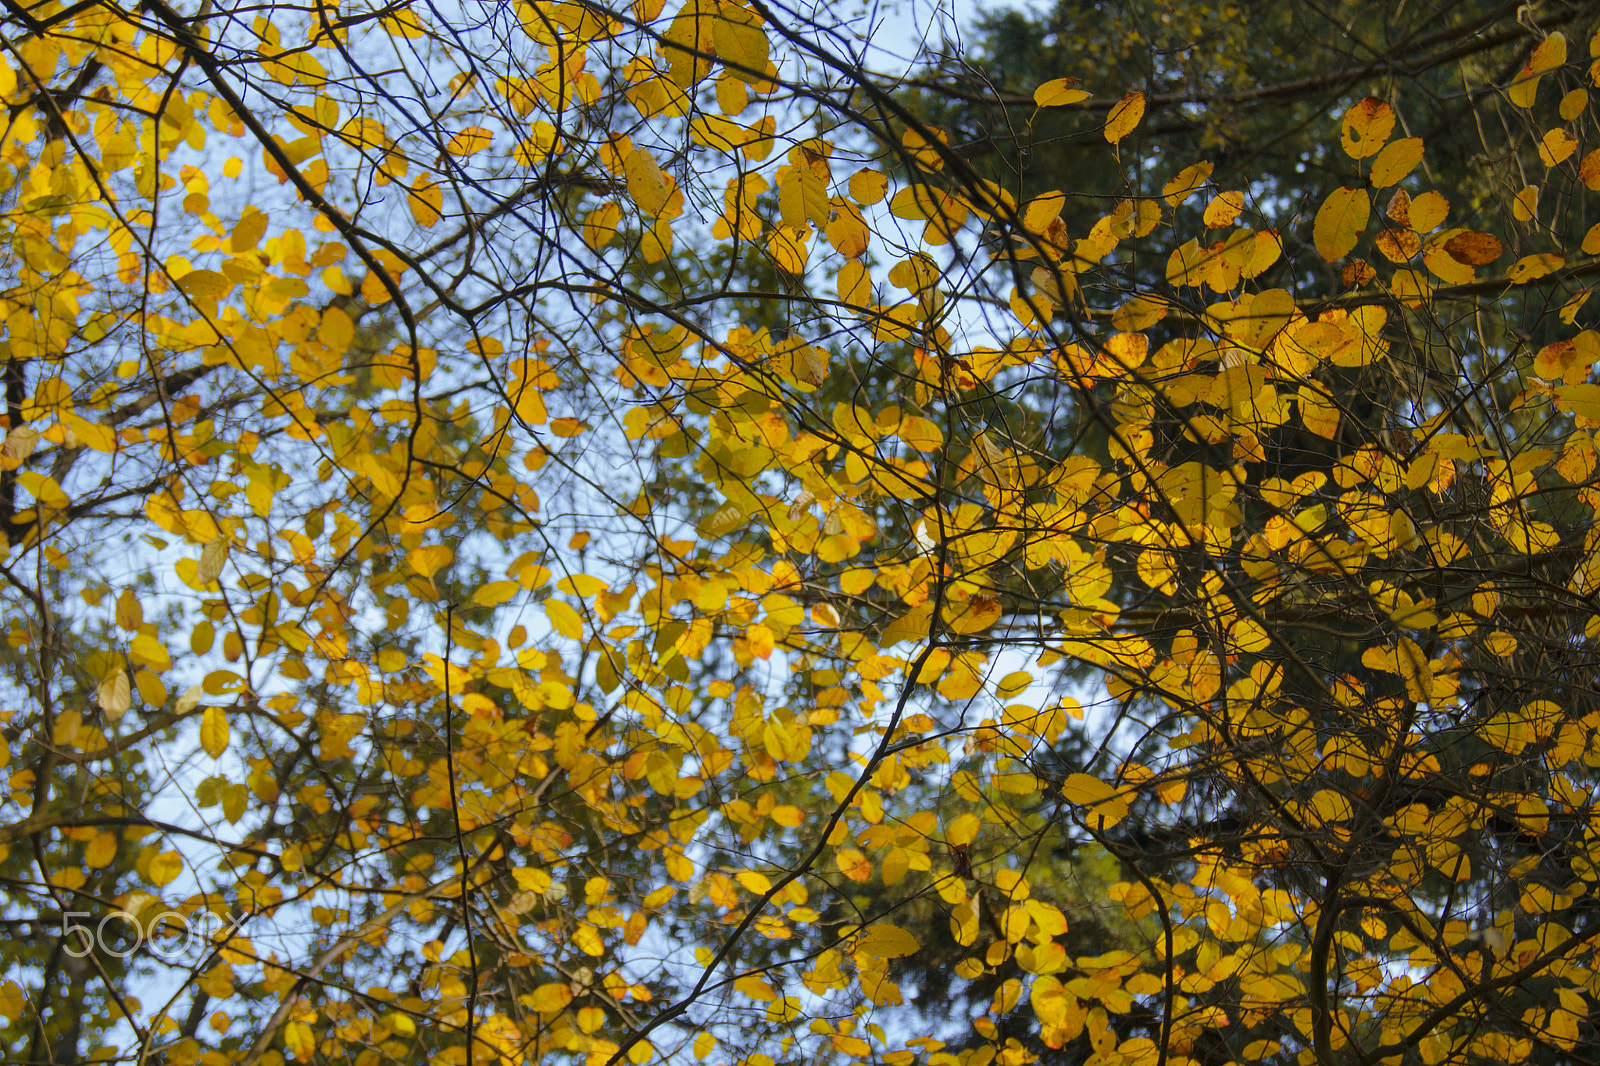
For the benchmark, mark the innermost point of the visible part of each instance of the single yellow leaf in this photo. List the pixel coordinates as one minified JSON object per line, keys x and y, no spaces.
{"x":214,"y":731}
{"x":495,"y":593}
{"x":1124,"y":116}
{"x":1366,"y":127}
{"x":115,"y":694}
{"x":741,"y":43}
{"x":164,"y":868}
{"x":426,"y":201}
{"x":1556,"y":146}
{"x":1396,"y":161}
{"x":427,"y":559}
{"x":212,"y":558}
{"x":868,"y":187}
{"x":855,"y":284}
{"x":1186,"y":183}
{"x":548,"y":998}
{"x":470,"y":141}
{"x":853,"y":864}
{"x":564,"y":619}
{"x":1427,"y":212}
{"x":963,"y":830}
{"x":1340,"y":222}
{"x":1059,"y":93}
{"x":102,"y":850}
{"x":646,"y":184}
{"x":885,"y":941}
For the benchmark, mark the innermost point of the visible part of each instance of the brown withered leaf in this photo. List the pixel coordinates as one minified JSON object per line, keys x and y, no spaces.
{"x":1356,"y":272}
{"x":1398,"y":245}
{"x":1399,"y":207}
{"x":1474,"y":248}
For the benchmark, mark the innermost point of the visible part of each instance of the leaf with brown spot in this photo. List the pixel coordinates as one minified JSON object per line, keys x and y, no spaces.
{"x":1356,"y":272}
{"x":1398,"y":245}
{"x":1399,"y":208}
{"x":1474,"y":248}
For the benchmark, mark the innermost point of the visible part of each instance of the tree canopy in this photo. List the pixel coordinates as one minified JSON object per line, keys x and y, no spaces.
{"x":553,"y":532}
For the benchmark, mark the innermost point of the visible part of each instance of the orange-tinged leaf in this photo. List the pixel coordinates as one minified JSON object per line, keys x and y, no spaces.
{"x":1589,"y":169}
{"x":789,"y":248}
{"x":1340,"y":222}
{"x":1365,"y":128}
{"x":1475,"y":248}
{"x":853,"y":864}
{"x":1224,"y":209}
{"x":1124,"y":117}
{"x":1398,"y":245}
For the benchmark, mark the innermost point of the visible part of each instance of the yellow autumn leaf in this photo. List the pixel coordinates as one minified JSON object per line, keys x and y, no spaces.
{"x":853,"y":864}
{"x":469,"y":141}
{"x":1104,"y":806}
{"x":1186,"y":183}
{"x":741,"y":43}
{"x":1395,"y":161}
{"x":564,"y":619}
{"x":426,"y":201}
{"x":101,"y":852}
{"x":299,"y":1041}
{"x":428,"y":559}
{"x":1340,"y":222}
{"x":885,"y":941}
{"x":963,"y":830}
{"x":1365,"y":128}
{"x":214,"y":731}
{"x":1059,"y":92}
{"x":646,"y":184}
{"x":115,"y":694}
{"x":164,"y":868}
{"x":1124,"y":117}
{"x":495,"y":593}
{"x":868,"y":187}
{"x":549,"y":998}
{"x":1550,"y":54}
